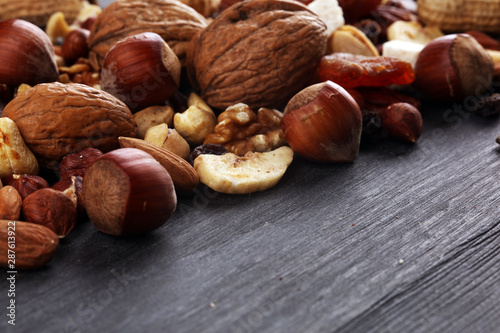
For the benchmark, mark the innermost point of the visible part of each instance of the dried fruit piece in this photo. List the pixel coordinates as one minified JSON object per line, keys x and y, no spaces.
{"x":35,"y":245}
{"x":349,"y":70}
{"x":230,"y":173}
{"x":206,"y":148}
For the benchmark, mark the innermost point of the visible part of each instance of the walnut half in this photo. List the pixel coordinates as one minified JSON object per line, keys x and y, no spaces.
{"x":240,"y":130}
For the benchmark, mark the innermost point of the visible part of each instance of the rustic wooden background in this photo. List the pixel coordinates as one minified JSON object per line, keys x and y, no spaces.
{"x":405,"y":239}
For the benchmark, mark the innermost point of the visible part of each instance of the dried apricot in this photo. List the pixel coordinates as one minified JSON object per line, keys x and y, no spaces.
{"x":350,"y":70}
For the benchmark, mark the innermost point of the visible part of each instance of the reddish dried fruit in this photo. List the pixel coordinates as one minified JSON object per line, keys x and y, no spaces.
{"x":350,"y":70}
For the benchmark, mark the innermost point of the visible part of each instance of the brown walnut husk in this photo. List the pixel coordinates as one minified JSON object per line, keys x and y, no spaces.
{"x":174,"y":21}
{"x":57,"y":119}
{"x":259,"y":52}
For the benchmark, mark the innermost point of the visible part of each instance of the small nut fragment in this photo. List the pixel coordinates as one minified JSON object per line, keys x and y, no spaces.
{"x":170,"y":139}
{"x":152,"y":116}
{"x":36,"y":245}
{"x":240,"y":130}
{"x":184,"y":176}
{"x":10,"y":203}
{"x":412,"y":31}
{"x":52,"y":209}
{"x":197,"y":122}
{"x":15,"y":156}
{"x":72,"y":187}
{"x":57,"y":27}
{"x":234,"y":174}
{"x":25,"y":184}
{"x":349,"y":39}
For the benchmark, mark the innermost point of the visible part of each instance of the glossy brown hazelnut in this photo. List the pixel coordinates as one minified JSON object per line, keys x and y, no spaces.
{"x":141,"y":70}
{"x":26,"y":53}
{"x":402,"y":121}
{"x":453,"y":67}
{"x":25,"y":184}
{"x":75,"y":45}
{"x":127,"y":192}
{"x":52,"y":209}
{"x":323,"y":123}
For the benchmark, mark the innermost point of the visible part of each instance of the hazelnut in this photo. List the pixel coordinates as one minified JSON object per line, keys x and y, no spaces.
{"x":72,"y":187}
{"x":25,"y":184}
{"x":75,"y":164}
{"x":141,"y":70}
{"x":52,"y":209}
{"x":27,"y":54}
{"x":453,"y":67}
{"x":323,"y":123}
{"x":127,"y":192}
{"x":75,"y":45}
{"x":402,"y":121}
{"x":10,"y":203}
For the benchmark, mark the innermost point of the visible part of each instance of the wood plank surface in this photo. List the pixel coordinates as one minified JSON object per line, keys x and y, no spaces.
{"x":405,"y":239}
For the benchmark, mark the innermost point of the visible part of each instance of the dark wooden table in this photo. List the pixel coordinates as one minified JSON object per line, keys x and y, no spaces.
{"x":405,"y":239}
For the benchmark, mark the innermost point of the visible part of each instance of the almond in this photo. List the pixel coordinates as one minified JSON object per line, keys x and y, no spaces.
{"x":183,"y":175}
{"x":31,"y":245}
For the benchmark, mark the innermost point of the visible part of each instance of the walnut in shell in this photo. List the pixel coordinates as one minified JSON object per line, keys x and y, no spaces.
{"x":174,"y":21}
{"x":56,"y":119}
{"x":259,"y":52}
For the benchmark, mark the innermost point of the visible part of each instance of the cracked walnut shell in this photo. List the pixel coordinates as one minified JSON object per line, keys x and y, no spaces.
{"x":259,"y":52}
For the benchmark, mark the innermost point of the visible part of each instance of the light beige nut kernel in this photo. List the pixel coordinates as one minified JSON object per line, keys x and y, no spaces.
{"x":15,"y":156}
{"x":57,"y":27}
{"x":412,"y":32}
{"x":152,"y":116}
{"x":162,"y":136}
{"x":349,"y":39}
{"x":197,"y":122}
{"x":233,"y":174}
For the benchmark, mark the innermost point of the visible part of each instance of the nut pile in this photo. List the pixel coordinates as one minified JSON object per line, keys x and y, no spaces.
{"x":111,"y":114}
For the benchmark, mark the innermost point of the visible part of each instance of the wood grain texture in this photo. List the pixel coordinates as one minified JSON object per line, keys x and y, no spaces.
{"x":405,"y":239}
